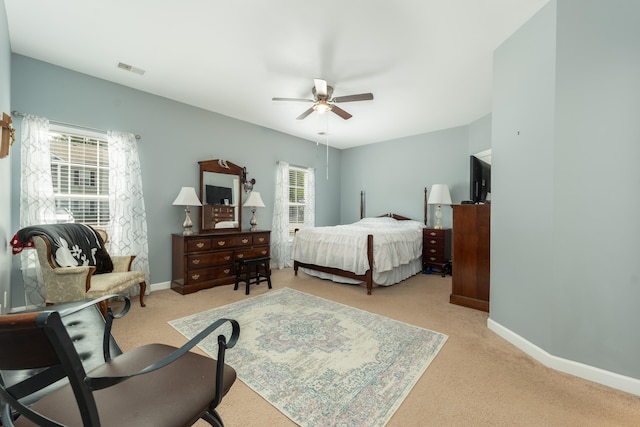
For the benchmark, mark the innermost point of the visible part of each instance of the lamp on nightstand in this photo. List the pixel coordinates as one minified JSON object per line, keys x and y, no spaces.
{"x":254,"y":201}
{"x":187,"y":197}
{"x":439,"y":196}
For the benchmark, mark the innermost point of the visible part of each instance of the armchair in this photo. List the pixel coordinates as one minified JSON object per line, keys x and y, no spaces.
{"x":152,"y":385}
{"x":76,"y":283}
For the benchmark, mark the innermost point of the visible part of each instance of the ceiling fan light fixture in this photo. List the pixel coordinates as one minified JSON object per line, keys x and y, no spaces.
{"x":322,"y":107}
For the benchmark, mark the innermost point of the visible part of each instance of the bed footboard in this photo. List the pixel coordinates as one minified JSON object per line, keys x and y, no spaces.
{"x":367,"y":277}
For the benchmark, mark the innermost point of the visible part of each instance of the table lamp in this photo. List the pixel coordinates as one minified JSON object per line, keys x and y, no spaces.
{"x":439,"y":196}
{"x":254,"y":201}
{"x":187,"y":197}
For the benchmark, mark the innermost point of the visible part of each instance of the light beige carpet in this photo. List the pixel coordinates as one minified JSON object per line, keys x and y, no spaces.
{"x":477,"y":378}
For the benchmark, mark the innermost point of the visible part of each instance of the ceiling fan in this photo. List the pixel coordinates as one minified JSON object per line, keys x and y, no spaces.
{"x":323,"y":101}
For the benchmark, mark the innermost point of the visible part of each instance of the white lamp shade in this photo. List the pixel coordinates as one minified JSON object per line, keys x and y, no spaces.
{"x":439,"y":195}
{"x":254,"y":200}
{"x":187,"y":197}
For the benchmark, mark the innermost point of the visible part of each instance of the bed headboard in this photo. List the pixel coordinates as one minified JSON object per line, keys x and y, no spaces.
{"x":392,"y":215}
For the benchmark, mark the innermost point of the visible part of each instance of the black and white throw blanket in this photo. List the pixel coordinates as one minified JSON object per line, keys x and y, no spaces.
{"x":71,"y":245}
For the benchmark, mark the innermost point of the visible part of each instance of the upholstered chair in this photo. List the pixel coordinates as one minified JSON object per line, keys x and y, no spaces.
{"x":66,"y":284}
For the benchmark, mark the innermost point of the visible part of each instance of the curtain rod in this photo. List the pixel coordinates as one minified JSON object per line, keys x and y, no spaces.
{"x":58,"y":122}
{"x":295,"y":166}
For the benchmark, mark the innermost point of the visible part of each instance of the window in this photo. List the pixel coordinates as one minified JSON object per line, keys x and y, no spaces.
{"x":80,"y":175}
{"x":297,"y":197}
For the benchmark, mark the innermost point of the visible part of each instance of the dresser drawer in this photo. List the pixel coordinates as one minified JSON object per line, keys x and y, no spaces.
{"x":252,"y":253}
{"x":435,"y":242}
{"x":261,"y":239}
{"x":433,"y":234}
{"x":203,"y":275}
{"x":195,"y":245}
{"x":209,"y":259}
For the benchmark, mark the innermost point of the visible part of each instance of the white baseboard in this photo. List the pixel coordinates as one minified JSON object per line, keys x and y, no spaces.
{"x":159,"y":286}
{"x":601,"y":376}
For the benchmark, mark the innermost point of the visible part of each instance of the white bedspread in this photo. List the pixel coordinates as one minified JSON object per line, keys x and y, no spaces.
{"x":395,"y":243}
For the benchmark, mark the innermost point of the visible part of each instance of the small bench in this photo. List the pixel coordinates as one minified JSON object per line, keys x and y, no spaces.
{"x":260,"y":269}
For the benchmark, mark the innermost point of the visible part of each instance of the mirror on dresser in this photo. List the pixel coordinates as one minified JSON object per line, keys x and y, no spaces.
{"x":221,"y":196}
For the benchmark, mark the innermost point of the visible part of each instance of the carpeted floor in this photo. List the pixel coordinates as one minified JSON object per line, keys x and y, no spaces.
{"x":477,"y":378}
{"x":319,"y":362}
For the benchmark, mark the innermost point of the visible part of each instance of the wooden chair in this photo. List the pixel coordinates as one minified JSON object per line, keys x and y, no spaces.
{"x":65,"y":284}
{"x":152,"y":385}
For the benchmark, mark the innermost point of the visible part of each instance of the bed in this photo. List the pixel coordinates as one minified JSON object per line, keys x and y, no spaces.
{"x":378,"y":251}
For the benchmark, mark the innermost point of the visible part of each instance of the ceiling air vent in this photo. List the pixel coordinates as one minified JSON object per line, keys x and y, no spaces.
{"x":131,"y":68}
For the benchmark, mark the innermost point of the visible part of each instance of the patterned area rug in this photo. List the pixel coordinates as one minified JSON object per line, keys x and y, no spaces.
{"x":319,"y":362}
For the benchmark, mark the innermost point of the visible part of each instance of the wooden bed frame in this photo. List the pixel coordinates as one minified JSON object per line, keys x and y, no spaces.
{"x":367,"y":277}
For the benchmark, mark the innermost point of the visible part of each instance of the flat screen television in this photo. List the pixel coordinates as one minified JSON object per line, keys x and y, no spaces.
{"x":215,"y":195}
{"x":480,"y":178}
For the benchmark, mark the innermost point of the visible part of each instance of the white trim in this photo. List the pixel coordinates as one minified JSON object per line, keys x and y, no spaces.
{"x":601,"y":376}
{"x":160,"y":286}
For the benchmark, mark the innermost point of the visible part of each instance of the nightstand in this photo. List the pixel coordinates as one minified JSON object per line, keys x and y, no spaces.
{"x":436,"y":250}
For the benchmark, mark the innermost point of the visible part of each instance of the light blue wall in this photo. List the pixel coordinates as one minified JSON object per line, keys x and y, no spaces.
{"x":393,"y":174}
{"x":175,"y":137}
{"x":565,"y":272}
{"x":5,"y":164}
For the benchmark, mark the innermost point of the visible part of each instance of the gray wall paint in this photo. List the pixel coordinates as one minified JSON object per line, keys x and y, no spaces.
{"x":5,"y":164}
{"x":175,"y":137}
{"x":565,"y":272}
{"x":393,"y":174}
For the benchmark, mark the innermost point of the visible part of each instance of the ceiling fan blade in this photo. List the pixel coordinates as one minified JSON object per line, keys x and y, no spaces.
{"x":305,"y":114}
{"x":321,"y":87}
{"x":351,"y":98}
{"x":339,"y":111}
{"x":293,"y":99}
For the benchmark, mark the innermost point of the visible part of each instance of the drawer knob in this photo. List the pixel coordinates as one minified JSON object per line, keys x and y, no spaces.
{"x":263,"y":252}
{"x":227,"y":271}
{"x":245,"y":240}
{"x":433,"y":242}
{"x":221,"y":243}
{"x":240,"y":256}
{"x":227,"y":258}
{"x":433,"y":251}
{"x":195,"y":276}
{"x":433,"y":233}
{"x":200,"y":245}
{"x":261,"y":239}
{"x":196,"y":261}
{"x":432,"y":259}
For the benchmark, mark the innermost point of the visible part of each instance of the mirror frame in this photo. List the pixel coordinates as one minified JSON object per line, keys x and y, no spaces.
{"x":223,"y":167}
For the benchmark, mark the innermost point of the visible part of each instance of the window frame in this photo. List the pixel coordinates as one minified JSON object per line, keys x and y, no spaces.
{"x":92,"y":173}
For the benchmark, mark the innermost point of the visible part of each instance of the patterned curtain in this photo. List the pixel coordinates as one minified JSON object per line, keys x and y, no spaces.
{"x":310,"y":196}
{"x":128,"y":218}
{"x":37,"y":204}
{"x":280,"y":240}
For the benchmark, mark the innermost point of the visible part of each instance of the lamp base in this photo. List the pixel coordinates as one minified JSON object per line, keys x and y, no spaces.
{"x":438,"y":225}
{"x":254,"y":221}
{"x":187,"y":225}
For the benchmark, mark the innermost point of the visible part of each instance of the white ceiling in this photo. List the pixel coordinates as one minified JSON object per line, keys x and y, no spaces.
{"x":427,"y":62}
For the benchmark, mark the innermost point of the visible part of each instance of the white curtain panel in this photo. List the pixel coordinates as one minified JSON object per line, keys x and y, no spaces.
{"x":128,"y":218}
{"x":280,"y":240}
{"x":37,"y":205}
{"x":310,"y":196}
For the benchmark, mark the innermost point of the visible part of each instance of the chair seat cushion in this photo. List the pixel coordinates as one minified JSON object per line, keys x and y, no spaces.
{"x":113,"y":283}
{"x":167,"y":397}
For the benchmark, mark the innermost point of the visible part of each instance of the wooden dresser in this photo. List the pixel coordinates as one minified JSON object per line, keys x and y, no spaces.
{"x":471,"y":256}
{"x":436,"y":248}
{"x":214,"y":214}
{"x":205,"y":260}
